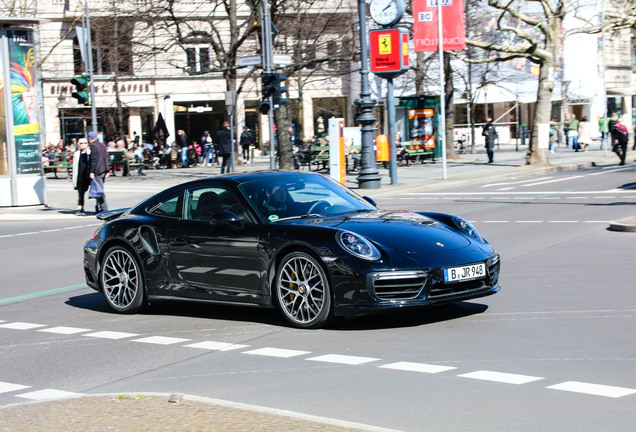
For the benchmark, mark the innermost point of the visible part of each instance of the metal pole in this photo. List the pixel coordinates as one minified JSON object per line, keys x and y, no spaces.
{"x":607,"y":136}
{"x":266,"y":35}
{"x":89,"y":66}
{"x":369,"y":177}
{"x":391,"y":118}
{"x":442,"y":102}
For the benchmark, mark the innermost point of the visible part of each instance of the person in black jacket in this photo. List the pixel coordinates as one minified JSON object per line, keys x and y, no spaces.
{"x":620,"y":137}
{"x":99,"y":171}
{"x":490,"y":134}
{"x":224,"y":138}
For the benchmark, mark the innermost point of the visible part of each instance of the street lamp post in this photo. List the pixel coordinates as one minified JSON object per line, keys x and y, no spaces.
{"x":369,"y":177}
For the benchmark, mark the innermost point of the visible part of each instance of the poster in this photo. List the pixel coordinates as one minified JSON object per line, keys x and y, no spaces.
{"x":24,"y":101}
{"x":425,"y":27}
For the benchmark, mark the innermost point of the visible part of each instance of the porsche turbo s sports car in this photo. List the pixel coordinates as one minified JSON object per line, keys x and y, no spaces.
{"x":299,"y":242}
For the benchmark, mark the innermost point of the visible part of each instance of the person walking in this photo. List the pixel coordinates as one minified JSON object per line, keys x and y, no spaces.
{"x":554,"y":135}
{"x":490,"y":134}
{"x":246,"y":141}
{"x":81,"y":173}
{"x":620,"y":137}
{"x":573,"y":133}
{"x":585,"y":134}
{"x":208,"y":149}
{"x":99,"y":171}
{"x":224,"y":138}
{"x":184,"y":144}
{"x":603,"y":128}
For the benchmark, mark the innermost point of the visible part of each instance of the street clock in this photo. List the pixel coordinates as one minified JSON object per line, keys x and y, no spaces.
{"x":387,"y":12}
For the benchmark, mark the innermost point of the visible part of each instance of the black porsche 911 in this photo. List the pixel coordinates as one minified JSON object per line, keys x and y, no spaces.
{"x":300,"y":242}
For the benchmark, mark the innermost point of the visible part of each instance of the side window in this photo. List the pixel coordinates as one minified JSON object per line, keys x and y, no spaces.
{"x":203,"y":203}
{"x":168,"y":208}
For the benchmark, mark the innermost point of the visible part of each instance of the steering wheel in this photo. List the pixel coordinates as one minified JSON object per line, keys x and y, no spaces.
{"x":314,"y":206}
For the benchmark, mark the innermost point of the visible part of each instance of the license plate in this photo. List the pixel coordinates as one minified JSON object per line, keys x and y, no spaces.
{"x":464,"y":273}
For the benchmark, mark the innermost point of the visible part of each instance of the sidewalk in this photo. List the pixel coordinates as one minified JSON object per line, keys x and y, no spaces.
{"x":509,"y":162}
{"x":135,"y":413}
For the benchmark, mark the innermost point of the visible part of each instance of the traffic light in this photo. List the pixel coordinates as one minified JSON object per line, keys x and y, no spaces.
{"x":279,"y":99}
{"x":268,"y":82}
{"x":81,"y":89}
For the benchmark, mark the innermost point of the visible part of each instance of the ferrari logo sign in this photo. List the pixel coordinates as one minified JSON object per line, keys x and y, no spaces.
{"x":384,"y":44}
{"x":389,"y":52}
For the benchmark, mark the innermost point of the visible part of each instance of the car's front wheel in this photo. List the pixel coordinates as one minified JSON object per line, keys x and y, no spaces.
{"x":122,"y":282}
{"x":303,"y":291}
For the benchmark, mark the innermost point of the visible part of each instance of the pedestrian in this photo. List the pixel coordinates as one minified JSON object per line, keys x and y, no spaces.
{"x":208,"y":149}
{"x":554,"y":135}
{"x":603,"y":128}
{"x":224,"y":138}
{"x":573,"y":133}
{"x":184,"y":144}
{"x":246,"y":141}
{"x":490,"y":134}
{"x":566,"y":126}
{"x":99,"y":171}
{"x":585,"y":134}
{"x":620,"y":137}
{"x":81,"y":173}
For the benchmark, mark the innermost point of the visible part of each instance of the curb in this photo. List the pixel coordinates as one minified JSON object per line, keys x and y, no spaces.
{"x":624,"y":225}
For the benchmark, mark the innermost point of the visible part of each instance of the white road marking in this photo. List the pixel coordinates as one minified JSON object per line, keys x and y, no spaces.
{"x":417,"y":367}
{"x":343,"y":359}
{"x":161,"y":340}
{"x":21,"y":326}
{"x":65,"y":330}
{"x":6,"y":387}
{"x":528,"y":221}
{"x":217,"y":346}
{"x":507,"y":378}
{"x":276,"y":352}
{"x":47,"y":394}
{"x":111,"y":335}
{"x":593,"y":389}
{"x":564,"y":221}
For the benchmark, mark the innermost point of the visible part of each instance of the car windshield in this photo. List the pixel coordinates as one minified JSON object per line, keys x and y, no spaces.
{"x":285,"y":197}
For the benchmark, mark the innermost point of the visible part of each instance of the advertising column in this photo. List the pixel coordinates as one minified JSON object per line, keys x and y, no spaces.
{"x":21,"y":177}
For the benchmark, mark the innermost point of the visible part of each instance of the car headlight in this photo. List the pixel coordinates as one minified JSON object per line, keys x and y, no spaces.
{"x":467,"y":228}
{"x":357,"y":245}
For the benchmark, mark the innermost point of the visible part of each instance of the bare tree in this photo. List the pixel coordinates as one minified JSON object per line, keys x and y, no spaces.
{"x":537,"y":36}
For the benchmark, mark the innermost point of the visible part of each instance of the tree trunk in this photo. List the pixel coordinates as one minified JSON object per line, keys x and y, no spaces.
{"x":285,"y":156}
{"x":543,"y":109}
{"x":449,"y":89}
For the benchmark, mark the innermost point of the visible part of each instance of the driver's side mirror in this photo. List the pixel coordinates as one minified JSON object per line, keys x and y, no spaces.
{"x":370,"y":201}
{"x":228,"y":219}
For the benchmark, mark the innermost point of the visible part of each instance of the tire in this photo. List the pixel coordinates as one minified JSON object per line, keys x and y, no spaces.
{"x":122,"y":281}
{"x":303,"y":291}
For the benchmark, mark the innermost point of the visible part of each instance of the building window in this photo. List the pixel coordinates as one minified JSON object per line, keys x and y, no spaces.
{"x":198,"y":59}
{"x":111,"y":45}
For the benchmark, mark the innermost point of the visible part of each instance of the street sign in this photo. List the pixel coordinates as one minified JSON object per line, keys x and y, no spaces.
{"x":282,"y":59}
{"x":389,"y":52}
{"x":254,"y":60}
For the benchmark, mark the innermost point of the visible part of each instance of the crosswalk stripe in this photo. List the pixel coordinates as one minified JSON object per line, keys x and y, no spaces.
{"x":507,"y":378}
{"x":161,"y":340}
{"x":418,"y":367}
{"x":216,"y":346}
{"x":64,"y":330}
{"x":276,"y":352}
{"x":48,"y":394}
{"x":6,"y":387}
{"x":111,"y":335}
{"x":593,"y":389}
{"x":343,"y":359}
{"x":21,"y":326}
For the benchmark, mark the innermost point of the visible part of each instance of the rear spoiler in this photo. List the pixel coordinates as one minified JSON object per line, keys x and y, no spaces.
{"x":111,"y":214}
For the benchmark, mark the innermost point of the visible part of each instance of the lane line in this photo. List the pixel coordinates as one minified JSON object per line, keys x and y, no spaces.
{"x":42,"y":294}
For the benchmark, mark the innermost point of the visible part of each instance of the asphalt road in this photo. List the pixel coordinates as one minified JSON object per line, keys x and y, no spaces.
{"x":554,"y":350}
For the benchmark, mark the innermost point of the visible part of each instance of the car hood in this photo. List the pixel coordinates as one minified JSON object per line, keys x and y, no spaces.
{"x":407,"y":232}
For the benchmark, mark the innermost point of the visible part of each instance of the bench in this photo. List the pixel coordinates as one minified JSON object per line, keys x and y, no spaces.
{"x":417,"y":150}
{"x":61,"y":167}
{"x":117,"y":158}
{"x":319,"y":156}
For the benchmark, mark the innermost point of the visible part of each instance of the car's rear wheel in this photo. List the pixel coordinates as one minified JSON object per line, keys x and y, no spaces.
{"x":303,"y":291}
{"x":121,"y":279}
